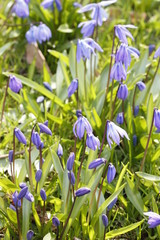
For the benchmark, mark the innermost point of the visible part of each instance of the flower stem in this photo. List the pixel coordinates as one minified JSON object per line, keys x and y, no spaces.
{"x":44,"y":209}
{"x":134,"y":96}
{"x":85,"y":83}
{"x":57,"y":234}
{"x":14,"y":155}
{"x":30,"y":161}
{"x":145,"y":153}
{"x":40,"y":153}
{"x":91,"y":70}
{"x":111,"y":98}
{"x":80,"y":167}
{"x":18,"y":223}
{"x":123,"y":113}
{"x":4,"y":101}
{"x":105,"y":130}
{"x":113,"y":105}
{"x":156,"y":70}
{"x":100,"y":189}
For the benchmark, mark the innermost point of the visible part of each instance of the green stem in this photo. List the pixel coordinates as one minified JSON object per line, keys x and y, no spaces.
{"x":113,"y":106}
{"x":40,"y":153}
{"x":104,"y":233}
{"x":100,"y":189}
{"x":14,"y":155}
{"x":111,"y":98}
{"x":80,"y":167}
{"x":134,"y":96}
{"x":85,"y":81}
{"x":4,"y":101}
{"x":19,"y":226}
{"x":57,"y":234}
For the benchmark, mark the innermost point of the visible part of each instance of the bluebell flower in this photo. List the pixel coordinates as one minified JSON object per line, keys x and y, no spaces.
{"x":122,"y":32}
{"x":31,"y":34}
{"x":49,"y":4}
{"x":17,"y":202}
{"x":43,"y":33}
{"x":70,"y":161}
{"x":120,"y":118}
{"x":157,"y":53}
{"x":151,"y":48}
{"x":96,"y":163}
{"x":92,"y":142}
{"x":43,"y":194}
{"x":22,"y":193}
{"x":80,"y":126}
{"x":114,"y":132}
{"x":55,"y":221}
{"x":27,"y":1}
{"x":110,"y":206}
{"x":93,"y":44}
{"x":10,"y":156}
{"x":15,"y":84}
{"x":136,"y":110}
{"x":71,"y":177}
{"x":72,"y":87}
{"x":105,"y":220}
{"x":12,"y":207}
{"x":111,"y":173}
{"x":87,"y":28}
{"x":98,"y":13}
{"x":84,"y":50}
{"x":122,"y":91}
{"x":22,"y":185}
{"x":118,"y":72}
{"x":77,"y":5}
{"x":29,"y":197}
{"x":21,"y":9}
{"x":38,"y":175}
{"x":36,"y":140}
{"x":20,"y":136}
{"x":82,"y":191}
{"x":40,"y":99}
{"x":154,"y":219}
{"x":44,"y":129}
{"x":47,"y":86}
{"x":141,"y":85}
{"x":134,"y":140}
{"x":157,"y":118}
{"x":60,"y":150}
{"x":30,"y":234}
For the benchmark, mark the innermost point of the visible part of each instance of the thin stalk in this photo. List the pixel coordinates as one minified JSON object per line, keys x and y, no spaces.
{"x":61,"y":162}
{"x":80,"y":167}
{"x":4,"y":101}
{"x":75,"y":142}
{"x":36,"y":186}
{"x":30,"y":160}
{"x":14,"y":155}
{"x":96,"y":37}
{"x":100,"y":189}
{"x":57,"y":234}
{"x":44,"y":210}
{"x":11,"y":172}
{"x":113,"y":106}
{"x":91,"y":70}
{"x":85,"y":81}
{"x":68,"y":193}
{"x":105,"y":130}
{"x":123,"y":113}
{"x":65,"y":225}
{"x":40,"y":153}
{"x":145,"y":80}
{"x":134,"y":96}
{"x":111,"y":97}
{"x":156,"y":70}
{"x":104,"y":233}
{"x":145,"y":152}
{"x":77,"y":98}
{"x":19,"y":226}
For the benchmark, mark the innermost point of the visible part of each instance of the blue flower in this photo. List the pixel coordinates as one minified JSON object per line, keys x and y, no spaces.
{"x":136,"y":110}
{"x":15,"y":84}
{"x":71,"y":177}
{"x":20,"y":136}
{"x":110,"y":206}
{"x":29,"y":197}
{"x":87,"y":28}
{"x":157,"y":53}
{"x":30,"y":234}
{"x":93,"y":44}
{"x":17,"y":202}
{"x":84,"y":50}
{"x":122,"y":91}
{"x":22,"y":193}
{"x":82,"y":191}
{"x":92,"y":142}
{"x":44,"y":129}
{"x":10,"y":156}
{"x":27,"y":1}
{"x":49,"y":4}
{"x":31,"y":34}
{"x":120,"y":118}
{"x":154,"y":219}
{"x":43,"y":194}
{"x":80,"y":126}
{"x":111,"y":173}
{"x":157,"y":118}
{"x":43,"y":33}
{"x":96,"y":163}
{"x":60,"y":150}
{"x":55,"y":221}
{"x":114,"y":132}
{"x":40,"y":99}
{"x":118,"y":72}
{"x":98,"y":13}
{"x":47,"y":86}
{"x":122,"y":32}
{"x":134,"y":140}
{"x":22,"y":185}
{"x":36,"y":140}
{"x":12,"y":207}
{"x":21,"y":9}
{"x":141,"y":85}
{"x":151,"y":48}
{"x":105,"y":220}
{"x":70,"y":161}
{"x":38,"y":175}
{"x":72,"y":87}
{"x":77,"y":5}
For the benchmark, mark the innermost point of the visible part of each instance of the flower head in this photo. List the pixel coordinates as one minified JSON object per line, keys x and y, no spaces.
{"x":154,"y":219}
{"x":151,"y":48}
{"x":134,"y":140}
{"x":105,"y":220}
{"x":141,"y":85}
{"x":44,"y":129}
{"x":93,"y":44}
{"x":22,"y":193}
{"x":10,"y":156}
{"x":122,"y":91}
{"x":111,"y":173}
{"x":72,"y":87}
{"x":70,"y":161}
{"x":22,"y":185}
{"x":47,"y":86}
{"x":82,"y":191}
{"x":114,"y":132}
{"x":110,"y":206}
{"x":43,"y":33}
{"x":17,"y":202}
{"x":43,"y":194}
{"x":29,"y":197}
{"x":96,"y":163}
{"x":120,"y":118}
{"x":157,"y":53}
{"x":71,"y":177}
{"x":87,"y":28}
{"x":49,"y":4}
{"x":20,"y":136}
{"x":21,"y":9}
{"x":55,"y":221}
{"x":15,"y":84}
{"x":38,"y":175}
{"x":118,"y":72}
{"x":36,"y":140}
{"x":77,"y":5}
{"x":31,"y":34}
{"x":12,"y":207}
{"x":40,"y":99}
{"x":136,"y":110}
{"x":80,"y":126}
{"x":122,"y":32}
{"x":30,"y":234}
{"x":92,"y":142}
{"x":157,"y":118}
{"x":84,"y":50}
{"x":60,"y":150}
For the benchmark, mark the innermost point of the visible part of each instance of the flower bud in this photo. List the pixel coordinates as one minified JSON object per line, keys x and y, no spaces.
{"x":20,"y":136}
{"x":47,"y":86}
{"x":55,"y":221}
{"x":110,"y":206}
{"x":82,"y":191}
{"x":151,"y":48}
{"x":136,"y":110}
{"x":16,"y":201}
{"x":40,"y":99}
{"x":60,"y":150}
{"x":120,"y":118}
{"x":36,"y":140}
{"x":105,"y":220}
{"x":157,"y":118}
{"x":111,"y":173}
{"x":70,"y":161}
{"x":30,"y":234}
{"x":44,"y":129}
{"x":141,"y":85}
{"x":15,"y":84}
{"x":38,"y":175}
{"x":43,"y":194}
{"x":12,"y":207}
{"x":72,"y":87}
{"x":22,"y":185}
{"x":96,"y":163}
{"x":71,"y":177}
{"x":134,"y":140}
{"x":22,"y":193}
{"x":10,"y":156}
{"x":122,"y":92}
{"x":29,"y":197}
{"x":92,"y":142}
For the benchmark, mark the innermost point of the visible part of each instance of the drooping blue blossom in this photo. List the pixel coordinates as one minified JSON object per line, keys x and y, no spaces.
{"x":30,"y":234}
{"x":70,"y":161}
{"x":136,"y":110}
{"x":105,"y":220}
{"x":21,"y":8}
{"x":98,"y":13}
{"x":36,"y":140}
{"x":122,"y":91}
{"x":141,"y":85}
{"x":38,"y":175}
{"x":31,"y":34}
{"x":22,"y":185}
{"x":22,"y":193}
{"x":157,"y":53}
{"x":80,"y":126}
{"x":44,"y":129}
{"x":71,"y":177}
{"x":20,"y":136}
{"x":29,"y":197}
{"x":77,"y":5}
{"x":12,"y":207}
{"x":55,"y":221}
{"x":60,"y":150}
{"x":10,"y":156}
{"x":134,"y":140}
{"x":92,"y":142}
{"x":82,"y":191}
{"x":43,"y":33}
{"x":72,"y":87}
{"x":17,"y":202}
{"x":122,"y":32}
{"x":110,"y":206}
{"x":40,"y":99}
{"x":15,"y":84}
{"x":93,"y":44}
{"x":118,"y":72}
{"x":120,"y":118}
{"x":49,"y":4}
{"x":111,"y":173}
{"x":47,"y":86}
{"x":43,"y":194}
{"x":151,"y":48}
{"x":27,"y":1}
{"x":154,"y":219}
{"x":87,"y":28}
{"x":157,"y":118}
{"x":114,"y":132}
{"x":96,"y":163}
{"x":84,"y":50}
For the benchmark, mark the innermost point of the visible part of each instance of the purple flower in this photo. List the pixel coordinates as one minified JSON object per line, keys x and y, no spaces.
{"x":22,"y":185}
{"x":12,"y":207}
{"x":49,"y":4}
{"x":70,"y":161}
{"x":15,"y":199}
{"x":110,"y":206}
{"x":157,"y":118}
{"x":27,"y":1}
{"x":20,"y":136}
{"x":21,"y":9}
{"x":122,"y":32}
{"x":120,"y":118}
{"x":38,"y":175}
{"x":22,"y":193}
{"x":93,"y":44}
{"x":118,"y":72}
{"x":136,"y":110}
{"x":80,"y":126}
{"x":40,"y":99}
{"x":30,"y":234}
{"x":36,"y":140}
{"x":154,"y":219}
{"x":47,"y":86}
{"x":151,"y":48}
{"x":71,"y":177}
{"x":96,"y":163}
{"x":55,"y":221}
{"x":60,"y":150}
{"x":92,"y":142}
{"x":72,"y":87}
{"x":44,"y":129}
{"x":43,"y":33}
{"x":10,"y":156}
{"x":15,"y":84}
{"x":84,"y":50}
{"x":111,"y":173}
{"x":77,"y":5}
{"x":114,"y":132}
{"x":31,"y":34}
{"x":82,"y":191}
{"x":87,"y":28}
{"x":134,"y":140}
{"x":105,"y":220}
{"x":141,"y":85}
{"x":157,"y":53}
{"x":43,"y":194}
{"x":122,"y":91}
{"x":29,"y":197}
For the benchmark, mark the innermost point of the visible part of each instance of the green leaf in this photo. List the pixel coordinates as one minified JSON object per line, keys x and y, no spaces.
{"x":12,"y":215}
{"x":36,"y":217}
{"x":97,"y":118}
{"x":143,"y":141}
{"x":150,"y":108}
{"x":5,"y":47}
{"x":121,"y":176}
{"x":26,"y":208}
{"x":112,"y":234}
{"x":7,"y":185}
{"x":59,"y":56}
{"x":54,"y":119}
{"x":64,"y":28}
{"x":148,"y":177}
{"x":156,"y":155}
